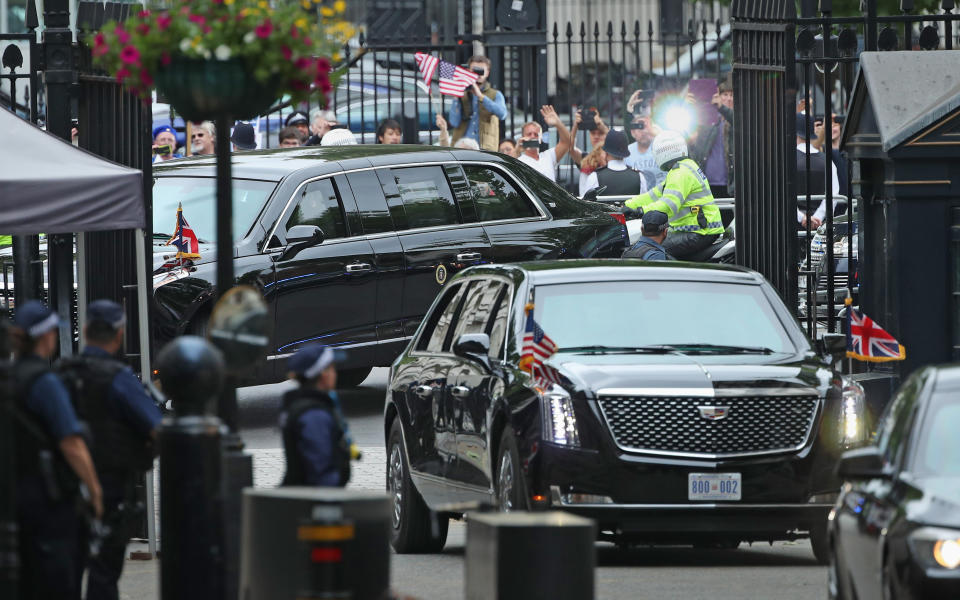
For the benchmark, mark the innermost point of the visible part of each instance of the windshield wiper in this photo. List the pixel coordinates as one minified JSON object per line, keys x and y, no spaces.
{"x":662,"y":349}
{"x":721,"y":349}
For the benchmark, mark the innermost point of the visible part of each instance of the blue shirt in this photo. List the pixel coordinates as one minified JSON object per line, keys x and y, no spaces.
{"x":645,"y":164}
{"x":49,"y":400}
{"x":658,"y":252}
{"x":127,"y":398}
{"x":316,"y":448}
{"x":497,"y":106}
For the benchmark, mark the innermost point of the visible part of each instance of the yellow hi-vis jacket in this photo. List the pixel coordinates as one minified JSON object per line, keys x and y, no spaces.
{"x":686,"y":199}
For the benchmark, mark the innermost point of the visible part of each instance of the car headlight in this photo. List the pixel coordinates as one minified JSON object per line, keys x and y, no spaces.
{"x":559,"y":420}
{"x":937,"y":548}
{"x":853,"y":427}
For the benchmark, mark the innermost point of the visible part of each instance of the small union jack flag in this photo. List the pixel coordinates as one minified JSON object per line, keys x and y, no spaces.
{"x":188,"y":246}
{"x":454,"y":79}
{"x":868,"y":341}
{"x":427,"y":64}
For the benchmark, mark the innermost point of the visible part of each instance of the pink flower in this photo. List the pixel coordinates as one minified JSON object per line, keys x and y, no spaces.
{"x":323,"y":65}
{"x":286,"y":52}
{"x":302,"y":63}
{"x":298,"y":85}
{"x":308,"y":42}
{"x":122,"y":74}
{"x":100,"y":45}
{"x":163,"y":21}
{"x":130,"y":55}
{"x":146,"y":80}
{"x":143,"y":14}
{"x":198,"y":19}
{"x":165,"y":59}
{"x":122,"y":36}
{"x":143,"y":29}
{"x":263,"y":31}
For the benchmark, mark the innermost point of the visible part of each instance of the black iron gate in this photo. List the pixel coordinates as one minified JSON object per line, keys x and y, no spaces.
{"x":765,"y":88}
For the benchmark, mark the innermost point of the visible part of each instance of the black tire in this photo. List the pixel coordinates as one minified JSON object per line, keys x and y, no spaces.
{"x":414,"y":527}
{"x":508,"y":482}
{"x":820,"y":543}
{"x":835,"y":590}
{"x":351,"y":378}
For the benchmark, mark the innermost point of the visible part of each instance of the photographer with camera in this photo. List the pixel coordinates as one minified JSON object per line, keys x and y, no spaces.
{"x":643,"y":131}
{"x":165,"y":144}
{"x":478,"y":113}
{"x":590,"y":121}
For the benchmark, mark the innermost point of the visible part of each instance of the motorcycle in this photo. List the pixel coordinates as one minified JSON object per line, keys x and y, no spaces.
{"x":721,"y":251}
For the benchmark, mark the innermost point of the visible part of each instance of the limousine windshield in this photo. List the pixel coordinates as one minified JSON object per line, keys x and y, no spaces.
{"x":198,"y":196}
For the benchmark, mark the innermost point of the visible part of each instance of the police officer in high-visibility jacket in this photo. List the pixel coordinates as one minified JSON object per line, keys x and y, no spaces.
{"x":684,"y":196}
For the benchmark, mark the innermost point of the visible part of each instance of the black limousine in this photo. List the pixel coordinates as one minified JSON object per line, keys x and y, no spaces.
{"x":683,"y":404}
{"x":351,"y":244}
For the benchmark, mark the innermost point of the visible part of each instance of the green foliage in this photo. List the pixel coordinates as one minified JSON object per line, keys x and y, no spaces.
{"x":291,"y":43}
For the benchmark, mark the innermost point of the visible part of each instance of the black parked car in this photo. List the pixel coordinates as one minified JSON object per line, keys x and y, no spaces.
{"x":349,"y":245}
{"x":690,"y":408}
{"x":895,"y":532}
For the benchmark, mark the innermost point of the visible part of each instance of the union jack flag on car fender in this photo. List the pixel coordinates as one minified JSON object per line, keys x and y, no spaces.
{"x":188,"y":246}
{"x":868,"y":341}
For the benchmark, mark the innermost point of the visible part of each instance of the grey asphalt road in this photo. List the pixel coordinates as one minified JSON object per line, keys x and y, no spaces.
{"x":784,"y":571}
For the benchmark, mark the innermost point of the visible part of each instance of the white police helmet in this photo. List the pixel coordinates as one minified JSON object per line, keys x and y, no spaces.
{"x":669,"y":146}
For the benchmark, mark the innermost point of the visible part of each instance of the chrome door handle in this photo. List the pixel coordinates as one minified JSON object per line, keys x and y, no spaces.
{"x":468,"y":256}
{"x":424,"y":391}
{"x":460,"y":391}
{"x":359,"y":268}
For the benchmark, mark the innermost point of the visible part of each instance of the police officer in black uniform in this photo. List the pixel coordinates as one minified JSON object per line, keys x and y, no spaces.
{"x":315,"y":437}
{"x":618,"y":179}
{"x":52,"y":462}
{"x":650,"y":244}
{"x":122,"y":420}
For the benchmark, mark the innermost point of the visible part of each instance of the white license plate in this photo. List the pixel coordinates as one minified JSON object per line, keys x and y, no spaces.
{"x":713,"y":486}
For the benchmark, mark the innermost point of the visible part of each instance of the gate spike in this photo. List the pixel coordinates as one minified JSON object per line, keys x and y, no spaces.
{"x":826,"y":6}
{"x":596,"y":30}
{"x":719,"y":29}
{"x":609,"y":29}
{"x":556,"y":31}
{"x":703,"y":28}
{"x":948,"y":5}
{"x":650,"y":29}
{"x":583,"y":30}
{"x":569,"y":30}
{"x":906,"y":6}
{"x":623,"y":29}
{"x":32,"y":21}
{"x":636,"y":28}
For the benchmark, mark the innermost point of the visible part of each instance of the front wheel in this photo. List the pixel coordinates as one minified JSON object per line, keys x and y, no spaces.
{"x":414,"y":527}
{"x":511,"y":494}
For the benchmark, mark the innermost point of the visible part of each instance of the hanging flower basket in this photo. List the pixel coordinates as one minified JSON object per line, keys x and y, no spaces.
{"x":235,"y":58}
{"x":204,"y":89}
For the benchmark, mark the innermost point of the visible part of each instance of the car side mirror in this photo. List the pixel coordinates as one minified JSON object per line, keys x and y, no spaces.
{"x":862,"y":463}
{"x":300,"y":237}
{"x":833,"y":345}
{"x":592,"y":195}
{"x":475,"y":347}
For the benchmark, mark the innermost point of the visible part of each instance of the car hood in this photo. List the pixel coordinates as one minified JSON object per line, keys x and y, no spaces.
{"x":934,"y":500}
{"x":707,"y":374}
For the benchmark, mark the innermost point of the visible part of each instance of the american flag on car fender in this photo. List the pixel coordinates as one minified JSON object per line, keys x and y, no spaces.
{"x":868,"y":341}
{"x":188,"y":246}
{"x":537,"y":346}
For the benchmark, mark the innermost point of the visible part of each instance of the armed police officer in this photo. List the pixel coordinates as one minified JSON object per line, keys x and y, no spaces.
{"x":684,"y":196}
{"x":316,"y":440}
{"x":122,"y":420}
{"x":52,"y":462}
{"x":650,"y":244}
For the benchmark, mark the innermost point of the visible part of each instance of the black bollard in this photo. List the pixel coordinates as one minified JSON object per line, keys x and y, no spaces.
{"x":191,"y":373}
{"x":308,"y":542}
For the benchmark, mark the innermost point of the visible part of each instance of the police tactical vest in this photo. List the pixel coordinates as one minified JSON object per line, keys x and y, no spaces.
{"x":619,"y":183}
{"x":38,"y":454}
{"x":296,"y":403}
{"x":818,"y":174}
{"x":115,"y":445}
{"x":488,"y":125}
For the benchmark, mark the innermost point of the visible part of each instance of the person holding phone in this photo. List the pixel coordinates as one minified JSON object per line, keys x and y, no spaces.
{"x":589,"y":120}
{"x":709,"y":144}
{"x":546,"y":161}
{"x":480,"y":110}
{"x":643,"y":131}
{"x":164,"y":144}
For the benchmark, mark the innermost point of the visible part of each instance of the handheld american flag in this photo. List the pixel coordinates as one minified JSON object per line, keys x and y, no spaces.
{"x":427,"y":64}
{"x":454,"y":79}
{"x":868,"y":341}
{"x":188,"y":246}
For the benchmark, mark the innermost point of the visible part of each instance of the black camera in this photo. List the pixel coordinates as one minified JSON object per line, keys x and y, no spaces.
{"x":588,"y":122}
{"x":530,"y":143}
{"x":479,"y":71}
{"x":638,"y":125}
{"x":163,"y":150}
{"x":643,"y":106}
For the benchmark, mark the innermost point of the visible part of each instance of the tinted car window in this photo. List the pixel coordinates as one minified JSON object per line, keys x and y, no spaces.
{"x":938,"y":445}
{"x":494,"y":197}
{"x":895,"y":423}
{"x":478,"y":307}
{"x":497,"y":325}
{"x":318,"y":205}
{"x":426,"y":196}
{"x":438,"y":324}
{"x":374,"y":214}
